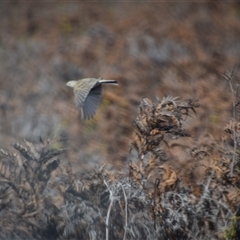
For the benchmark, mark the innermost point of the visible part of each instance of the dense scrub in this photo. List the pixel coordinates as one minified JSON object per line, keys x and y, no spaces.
{"x":164,"y":194}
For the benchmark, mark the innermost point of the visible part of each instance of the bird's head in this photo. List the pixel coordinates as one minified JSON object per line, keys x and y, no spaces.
{"x":71,"y":83}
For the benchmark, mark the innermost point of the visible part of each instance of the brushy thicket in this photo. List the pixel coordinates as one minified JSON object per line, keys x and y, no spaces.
{"x":165,"y":195}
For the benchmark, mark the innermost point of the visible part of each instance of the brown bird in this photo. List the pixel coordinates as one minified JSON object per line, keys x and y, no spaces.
{"x":87,"y":94}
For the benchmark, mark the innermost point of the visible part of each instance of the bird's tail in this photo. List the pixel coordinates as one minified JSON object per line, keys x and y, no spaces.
{"x":108,"y":81}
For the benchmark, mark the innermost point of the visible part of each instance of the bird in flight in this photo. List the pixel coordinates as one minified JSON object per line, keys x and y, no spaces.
{"x":87,"y":94}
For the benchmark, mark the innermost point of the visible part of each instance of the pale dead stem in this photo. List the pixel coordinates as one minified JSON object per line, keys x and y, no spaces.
{"x":229,"y":76}
{"x":112,"y":198}
{"x":126,"y":215}
{"x":109,"y":209}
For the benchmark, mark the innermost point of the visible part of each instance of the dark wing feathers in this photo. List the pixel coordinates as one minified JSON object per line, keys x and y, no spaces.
{"x":91,"y":102}
{"x":87,"y":95}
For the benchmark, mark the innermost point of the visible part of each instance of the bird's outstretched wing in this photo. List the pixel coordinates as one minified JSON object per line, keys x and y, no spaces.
{"x":81,"y":91}
{"x":91,"y":102}
{"x":80,"y":96}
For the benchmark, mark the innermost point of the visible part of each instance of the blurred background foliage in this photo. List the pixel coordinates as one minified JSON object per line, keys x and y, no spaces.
{"x":151,"y":48}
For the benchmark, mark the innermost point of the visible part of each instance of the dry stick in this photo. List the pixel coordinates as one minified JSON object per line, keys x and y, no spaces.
{"x":126,"y":216}
{"x":234,"y":132}
{"x":109,"y":209}
{"x":229,"y":76}
{"x":206,"y":187}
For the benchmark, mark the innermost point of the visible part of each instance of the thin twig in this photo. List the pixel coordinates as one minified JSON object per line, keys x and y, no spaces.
{"x":109,"y":209}
{"x":126,"y":215}
{"x":229,"y":76}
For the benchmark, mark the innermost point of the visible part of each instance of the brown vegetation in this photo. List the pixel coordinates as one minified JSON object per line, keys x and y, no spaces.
{"x":180,"y":179}
{"x":162,"y":196}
